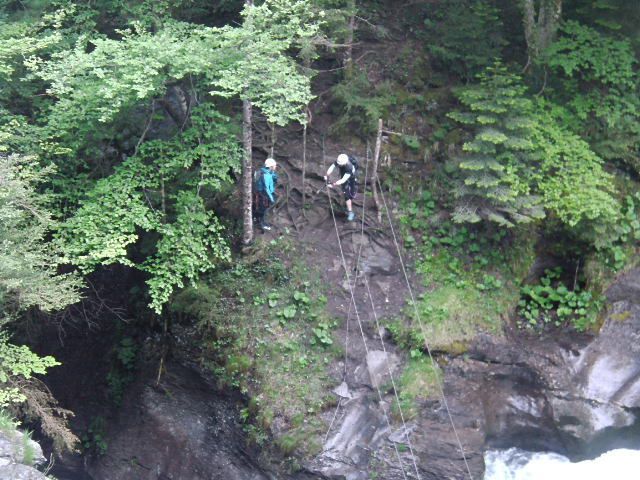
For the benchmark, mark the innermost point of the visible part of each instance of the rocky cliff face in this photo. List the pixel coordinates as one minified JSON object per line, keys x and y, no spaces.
{"x":574,"y":395}
{"x":18,"y":454}
{"x":176,"y":429}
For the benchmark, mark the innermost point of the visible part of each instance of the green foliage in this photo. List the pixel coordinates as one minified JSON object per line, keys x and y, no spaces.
{"x":277,"y":359}
{"x":259,"y":70}
{"x":616,"y":242}
{"x":599,"y":86}
{"x":101,"y":77}
{"x":521,"y":160}
{"x":418,"y":382}
{"x":570,"y":177}
{"x":18,"y":363}
{"x":496,"y":162}
{"x":100,"y":82}
{"x":322,"y":334}
{"x":7,"y":422}
{"x":94,"y":439}
{"x":28,"y":274}
{"x":159,"y":191}
{"x":468,"y":272}
{"x":464,"y":36}
{"x":551,"y":303}
{"x":123,"y":364}
{"x":362,"y":103}
{"x":188,"y":247}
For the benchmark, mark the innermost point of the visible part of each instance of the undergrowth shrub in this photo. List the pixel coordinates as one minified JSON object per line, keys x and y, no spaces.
{"x":463,"y":36}
{"x":550,"y":303}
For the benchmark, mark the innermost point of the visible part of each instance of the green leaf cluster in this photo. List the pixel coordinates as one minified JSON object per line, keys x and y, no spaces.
{"x":599,"y":86}
{"x":159,"y":191}
{"x":256,"y":67}
{"x":550,"y":302}
{"x":18,"y":363}
{"x":28,"y":264}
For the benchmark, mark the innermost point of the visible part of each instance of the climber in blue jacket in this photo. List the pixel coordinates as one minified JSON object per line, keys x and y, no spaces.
{"x":265,"y":191}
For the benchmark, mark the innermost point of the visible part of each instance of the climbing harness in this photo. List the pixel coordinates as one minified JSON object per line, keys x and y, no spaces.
{"x":440,"y":381}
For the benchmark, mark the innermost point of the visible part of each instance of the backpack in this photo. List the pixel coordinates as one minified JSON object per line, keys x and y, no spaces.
{"x":354,"y":161}
{"x":258,"y":180}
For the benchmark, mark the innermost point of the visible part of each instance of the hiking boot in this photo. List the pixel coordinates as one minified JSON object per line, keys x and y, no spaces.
{"x":351,"y":217}
{"x":266,"y":227}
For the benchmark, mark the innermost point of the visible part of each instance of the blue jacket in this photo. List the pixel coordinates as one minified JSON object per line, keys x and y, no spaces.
{"x":269,"y":182}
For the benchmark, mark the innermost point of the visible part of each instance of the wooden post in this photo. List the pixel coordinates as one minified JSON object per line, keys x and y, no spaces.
{"x":374,"y":175}
{"x":273,"y":139}
{"x":304,"y":161}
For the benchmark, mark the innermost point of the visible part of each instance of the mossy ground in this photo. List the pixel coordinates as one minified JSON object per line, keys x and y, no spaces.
{"x":418,"y":382}
{"x":469,"y":277}
{"x":264,"y":330}
{"x":469,"y":282}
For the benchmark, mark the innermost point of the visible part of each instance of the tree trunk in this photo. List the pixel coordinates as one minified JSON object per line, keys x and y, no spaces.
{"x":348,"y":54}
{"x":247,"y":168}
{"x":540,"y":32}
{"x":247,"y":174}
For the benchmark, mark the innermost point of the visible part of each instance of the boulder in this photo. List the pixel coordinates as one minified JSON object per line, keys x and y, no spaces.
{"x":15,"y":451}
{"x":374,"y":372}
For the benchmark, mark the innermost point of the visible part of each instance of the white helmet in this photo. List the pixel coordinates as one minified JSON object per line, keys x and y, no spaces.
{"x":269,"y":162}
{"x":343,"y":159}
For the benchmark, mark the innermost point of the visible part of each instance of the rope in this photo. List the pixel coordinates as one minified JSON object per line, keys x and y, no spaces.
{"x":364,"y":340}
{"x":357,"y":269}
{"x":355,"y":308}
{"x":375,"y":316}
{"x":344,"y":374}
{"x":352,"y":303}
{"x":393,"y":383}
{"x":440,"y":381}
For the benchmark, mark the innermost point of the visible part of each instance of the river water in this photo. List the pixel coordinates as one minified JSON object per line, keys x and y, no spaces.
{"x":515,"y":464}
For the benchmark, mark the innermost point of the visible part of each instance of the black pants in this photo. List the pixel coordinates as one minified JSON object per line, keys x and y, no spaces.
{"x":262,"y":204}
{"x":349,"y":189}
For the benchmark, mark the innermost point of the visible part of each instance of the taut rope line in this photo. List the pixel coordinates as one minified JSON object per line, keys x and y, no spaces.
{"x":353,"y":303}
{"x":440,"y":381}
{"x":364,"y":340}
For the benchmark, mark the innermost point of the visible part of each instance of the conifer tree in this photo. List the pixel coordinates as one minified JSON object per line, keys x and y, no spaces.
{"x":495,"y":160}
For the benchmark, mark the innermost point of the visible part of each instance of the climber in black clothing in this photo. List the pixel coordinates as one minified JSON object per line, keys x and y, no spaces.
{"x":347,"y":168}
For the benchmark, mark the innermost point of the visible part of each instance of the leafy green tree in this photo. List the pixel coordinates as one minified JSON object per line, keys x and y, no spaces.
{"x":159,"y":191}
{"x":101,"y":81}
{"x":570,"y":177}
{"x":599,"y":87}
{"x":28,"y":270}
{"x":28,"y":273}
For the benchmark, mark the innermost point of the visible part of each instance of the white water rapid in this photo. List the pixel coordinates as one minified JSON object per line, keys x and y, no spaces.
{"x":515,"y":464}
